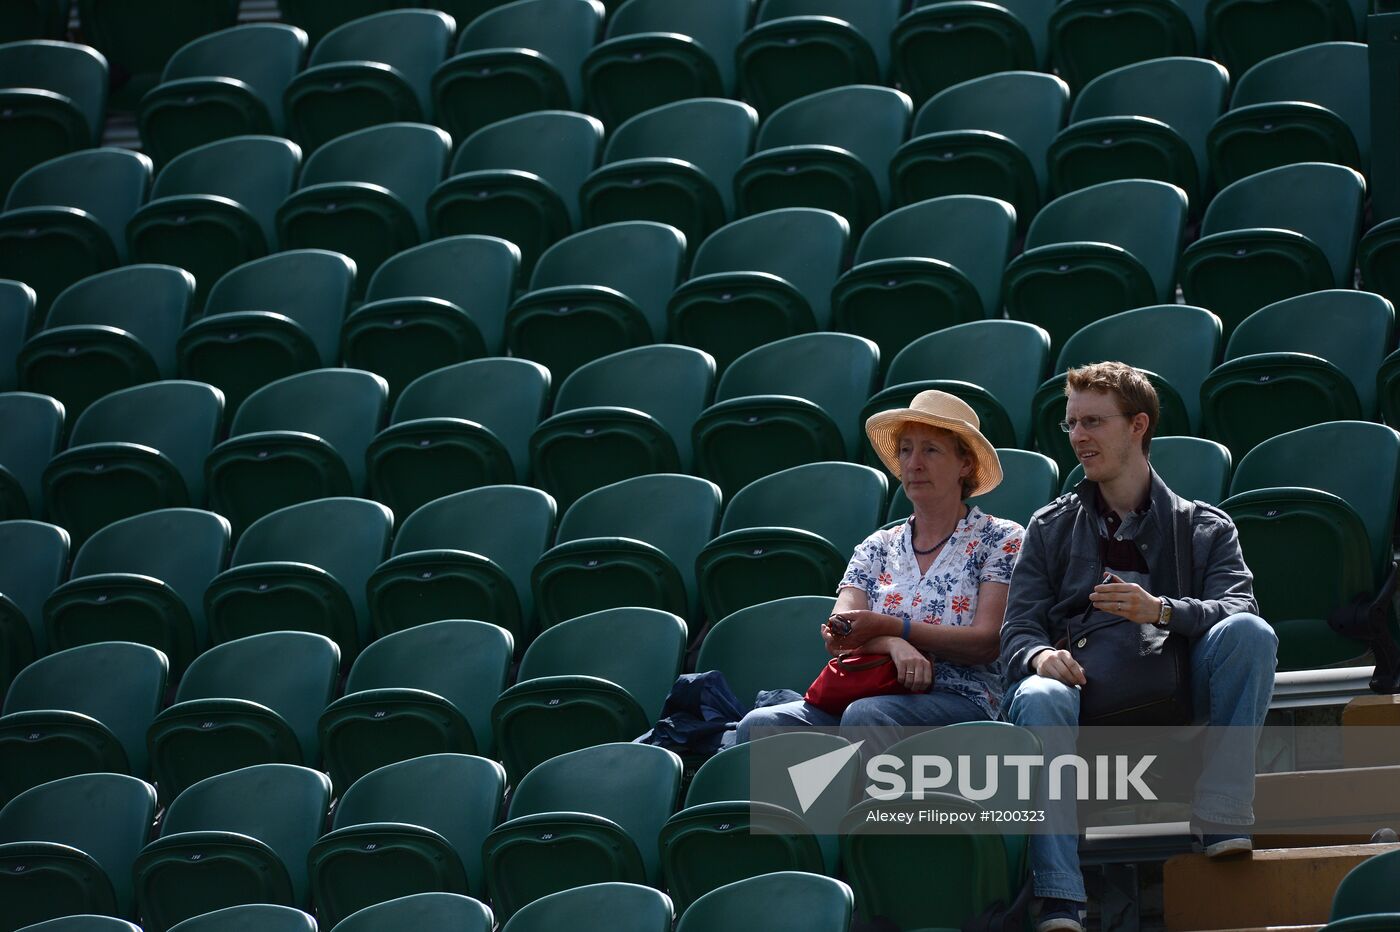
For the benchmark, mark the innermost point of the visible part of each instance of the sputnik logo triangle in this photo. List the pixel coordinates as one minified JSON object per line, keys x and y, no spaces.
{"x":811,"y":777}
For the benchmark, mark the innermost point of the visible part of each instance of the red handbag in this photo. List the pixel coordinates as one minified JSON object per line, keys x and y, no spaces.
{"x":850,"y":677}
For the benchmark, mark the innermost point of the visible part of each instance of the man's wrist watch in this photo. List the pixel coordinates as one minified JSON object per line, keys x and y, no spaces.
{"x":1164,"y":617}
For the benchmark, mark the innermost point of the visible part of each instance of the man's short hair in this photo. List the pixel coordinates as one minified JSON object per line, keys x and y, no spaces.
{"x":1135,"y":393}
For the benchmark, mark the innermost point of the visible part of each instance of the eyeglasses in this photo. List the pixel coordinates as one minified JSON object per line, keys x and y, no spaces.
{"x":1089,"y":422}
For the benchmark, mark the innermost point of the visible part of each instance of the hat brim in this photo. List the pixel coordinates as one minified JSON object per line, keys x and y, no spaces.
{"x":883,"y":430}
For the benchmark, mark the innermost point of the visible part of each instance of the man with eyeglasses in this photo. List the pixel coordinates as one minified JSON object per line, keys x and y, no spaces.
{"x":1119,"y":525}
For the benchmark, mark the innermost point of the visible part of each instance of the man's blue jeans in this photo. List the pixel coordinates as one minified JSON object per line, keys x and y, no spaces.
{"x":1232,"y":675}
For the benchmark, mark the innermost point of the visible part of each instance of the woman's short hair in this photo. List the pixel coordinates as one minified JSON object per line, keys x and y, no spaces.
{"x":959,"y":444}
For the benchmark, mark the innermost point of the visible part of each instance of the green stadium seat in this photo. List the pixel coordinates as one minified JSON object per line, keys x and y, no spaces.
{"x":33,"y":19}
{"x":1195,"y":468}
{"x":250,"y":917}
{"x":1097,"y":251}
{"x":139,"y":38}
{"x":924,"y":267}
{"x":142,"y":579}
{"x":225,"y":84}
{"x":575,"y":688}
{"x":1088,"y":40}
{"x":589,"y":816}
{"x":373,"y":70}
{"x":829,"y":150}
{"x":295,"y":440}
{"x":985,"y":136}
{"x":303,"y":568}
{"x":32,"y":435}
{"x":800,"y":47}
{"x":432,"y":306}
{"x":407,"y":828}
{"x":993,"y":365}
{"x":252,"y":829}
{"x":658,"y":52}
{"x":1240,"y":35}
{"x":37,"y":562}
{"x":458,"y":428}
{"x":1275,"y":234}
{"x":618,"y":907}
{"x":590,"y":296}
{"x":213,"y":207}
{"x":81,"y":710}
{"x":1316,"y":529}
{"x":53,"y":97}
{"x":365,"y":194}
{"x":65,"y":219}
{"x":1388,"y":388}
{"x":772,"y":645}
{"x":624,"y":415}
{"x":790,"y":402}
{"x":1376,"y":257}
{"x":516,"y":58}
{"x":777,"y":539}
{"x":519,"y":179}
{"x":1144,"y":120}
{"x":758,"y":280}
{"x":112,"y":331}
{"x":267,"y":319}
{"x":612,"y":552}
{"x":1368,"y":889}
{"x":673,"y":165}
{"x":424,"y":690}
{"x":423,"y":911}
{"x":1371,"y":922}
{"x":473,"y":548}
{"x":1177,"y":346}
{"x":1029,"y":481}
{"x":16,"y":318}
{"x":319,"y":20}
{"x":66,"y":847}
{"x":1308,"y":105}
{"x":255,"y":700}
{"x":1301,"y":361}
{"x":136,"y":450}
{"x":83,"y":923}
{"x":939,"y":43}
{"x":789,"y":901}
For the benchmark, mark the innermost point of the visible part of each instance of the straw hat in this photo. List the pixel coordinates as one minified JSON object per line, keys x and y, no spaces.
{"x":937,"y":409}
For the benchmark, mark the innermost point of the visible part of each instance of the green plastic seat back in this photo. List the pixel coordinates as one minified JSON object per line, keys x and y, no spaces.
{"x":1368,"y":887}
{"x":109,"y":184}
{"x":713,"y":134}
{"x":1318,"y":200}
{"x":464,"y":662}
{"x":1366,"y":478}
{"x":83,"y":923}
{"x":672,"y":384}
{"x":1008,"y":358}
{"x":834,"y":371}
{"x":1193,"y":467}
{"x":16,"y":316}
{"x":1144,"y":217}
{"x":725,"y":777}
{"x":150,"y":302}
{"x":344,"y":407}
{"x":422,"y":911}
{"x":281,"y":805}
{"x":459,"y":796}
{"x":411,"y":42}
{"x":1029,"y":481}
{"x":116,"y":682}
{"x":1350,"y":329}
{"x":634,"y":785}
{"x":1027,"y":107}
{"x":264,"y":56}
{"x":179,"y":419}
{"x":33,"y":431}
{"x":1334,"y":75}
{"x":310,"y":286}
{"x":107,"y":816}
{"x":628,"y":907}
{"x":251,"y":917}
{"x":715,"y":27}
{"x":139,"y":38}
{"x":506,"y":396}
{"x":973,"y":234}
{"x":562,"y":31}
{"x":803,"y":246}
{"x":847,"y":511}
{"x":476,"y":273}
{"x":774,"y":645}
{"x":558,"y":146}
{"x":586,"y":646}
{"x":77,"y":73}
{"x":255,"y":172}
{"x":37,"y":562}
{"x":293,"y":673}
{"x":977,"y":740}
{"x":867,"y":121}
{"x":873,"y":19}
{"x":788,"y":901}
{"x":320,"y":20}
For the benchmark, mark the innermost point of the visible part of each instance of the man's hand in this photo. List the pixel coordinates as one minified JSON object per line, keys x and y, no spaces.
{"x":1059,"y":665}
{"x":914,"y":669}
{"x":1127,"y":600}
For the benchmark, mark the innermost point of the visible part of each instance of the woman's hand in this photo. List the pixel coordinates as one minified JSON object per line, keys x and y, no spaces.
{"x":914,"y":669}
{"x":858,"y":626}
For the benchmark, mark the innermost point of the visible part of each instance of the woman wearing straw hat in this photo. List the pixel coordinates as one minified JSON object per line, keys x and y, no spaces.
{"x":929,"y":592}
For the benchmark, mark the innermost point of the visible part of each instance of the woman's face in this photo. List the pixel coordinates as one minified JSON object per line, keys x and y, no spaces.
{"x":930,"y":467}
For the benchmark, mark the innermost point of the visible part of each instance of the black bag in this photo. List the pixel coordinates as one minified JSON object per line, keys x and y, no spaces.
{"x":1137,"y":674}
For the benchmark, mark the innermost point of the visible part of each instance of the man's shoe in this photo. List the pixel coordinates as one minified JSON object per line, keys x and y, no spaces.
{"x":1060,"y":916}
{"x":1225,"y":845}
